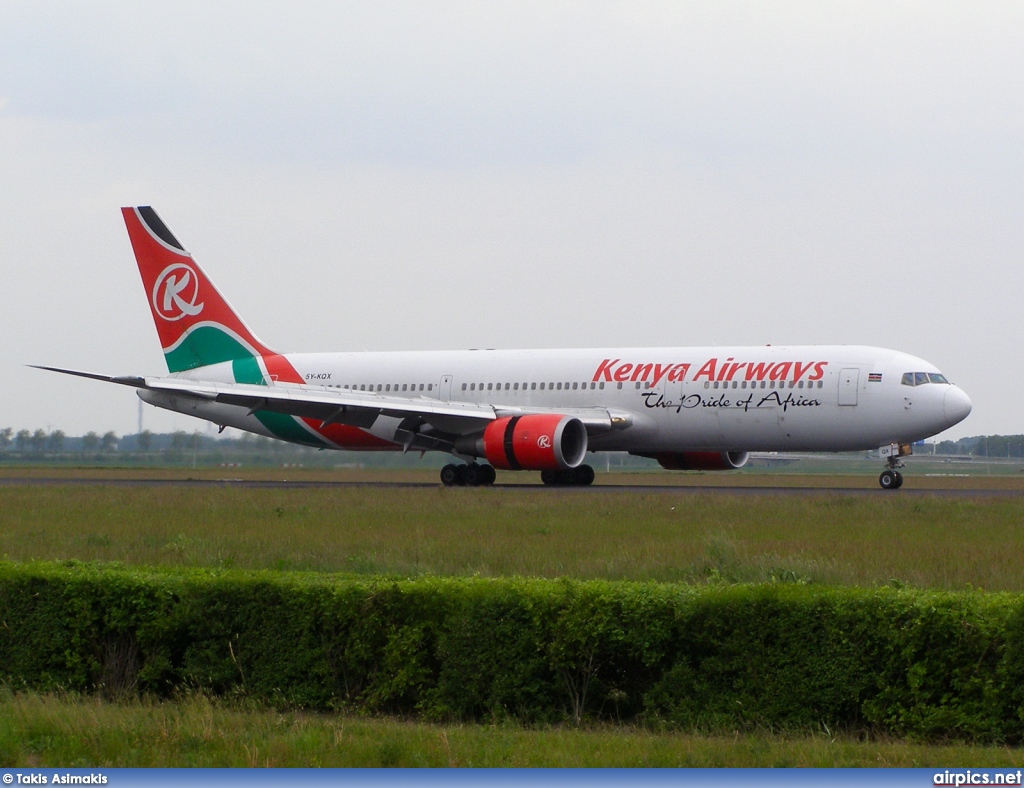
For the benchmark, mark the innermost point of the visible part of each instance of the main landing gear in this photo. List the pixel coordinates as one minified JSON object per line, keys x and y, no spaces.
{"x":580,"y":476}
{"x":471,"y":475}
{"x":474,"y":475}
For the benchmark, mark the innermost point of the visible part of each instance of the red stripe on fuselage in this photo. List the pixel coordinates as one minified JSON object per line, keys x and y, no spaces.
{"x":343,"y":436}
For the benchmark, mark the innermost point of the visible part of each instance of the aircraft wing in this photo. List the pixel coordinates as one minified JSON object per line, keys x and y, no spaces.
{"x":357,"y":408}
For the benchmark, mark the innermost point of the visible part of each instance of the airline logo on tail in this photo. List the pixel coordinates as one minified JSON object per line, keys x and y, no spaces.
{"x":196,"y":325}
{"x":180,"y":286}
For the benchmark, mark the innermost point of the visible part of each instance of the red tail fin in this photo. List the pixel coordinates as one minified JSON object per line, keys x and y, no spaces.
{"x":196,"y":325}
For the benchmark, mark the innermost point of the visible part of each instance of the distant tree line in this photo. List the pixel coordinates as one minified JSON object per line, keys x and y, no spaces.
{"x":182,"y":448}
{"x":188,"y":449}
{"x":193,"y":448}
{"x":994,"y":446}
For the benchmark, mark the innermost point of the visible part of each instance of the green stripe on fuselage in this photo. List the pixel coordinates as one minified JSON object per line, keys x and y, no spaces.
{"x":281,"y":425}
{"x":287,"y":428}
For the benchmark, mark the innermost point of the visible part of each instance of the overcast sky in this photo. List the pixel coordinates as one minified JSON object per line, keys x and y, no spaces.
{"x":419,"y":175}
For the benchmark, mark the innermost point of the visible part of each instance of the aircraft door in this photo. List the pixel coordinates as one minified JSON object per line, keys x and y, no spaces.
{"x":445,"y":393}
{"x":849,"y":381}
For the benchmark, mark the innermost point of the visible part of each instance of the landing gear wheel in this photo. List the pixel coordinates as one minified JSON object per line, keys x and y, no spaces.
{"x":450,"y":475}
{"x":488,"y":475}
{"x":890,"y":480}
{"x":471,"y":475}
{"x":899,"y":479}
{"x":584,"y":476}
{"x":580,"y":476}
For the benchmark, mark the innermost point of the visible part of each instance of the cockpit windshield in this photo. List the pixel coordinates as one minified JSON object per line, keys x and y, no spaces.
{"x":921,"y":378}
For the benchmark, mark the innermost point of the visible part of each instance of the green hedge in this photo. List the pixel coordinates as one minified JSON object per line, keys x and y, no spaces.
{"x":782,"y":656}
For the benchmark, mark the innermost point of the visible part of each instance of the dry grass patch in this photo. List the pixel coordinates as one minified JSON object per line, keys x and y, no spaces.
{"x":55,"y":731}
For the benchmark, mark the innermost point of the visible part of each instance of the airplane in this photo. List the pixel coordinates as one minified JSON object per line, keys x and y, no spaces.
{"x":688,"y":408}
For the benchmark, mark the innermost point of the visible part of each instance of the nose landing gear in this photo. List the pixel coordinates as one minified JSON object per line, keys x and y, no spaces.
{"x":892,"y":479}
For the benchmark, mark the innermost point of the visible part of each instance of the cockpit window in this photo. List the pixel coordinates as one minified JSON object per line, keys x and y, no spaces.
{"x":921,"y":378}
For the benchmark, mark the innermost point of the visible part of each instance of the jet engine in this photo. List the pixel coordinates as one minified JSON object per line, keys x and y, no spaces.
{"x":701,"y":460}
{"x":537,"y":442}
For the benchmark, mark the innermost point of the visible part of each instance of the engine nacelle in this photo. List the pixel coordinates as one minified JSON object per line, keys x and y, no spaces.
{"x":538,"y":442}
{"x":702,"y":460}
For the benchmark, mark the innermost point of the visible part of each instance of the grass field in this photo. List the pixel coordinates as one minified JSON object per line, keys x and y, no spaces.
{"x":38,"y":730}
{"x":938,"y":542}
{"x":830,"y":538}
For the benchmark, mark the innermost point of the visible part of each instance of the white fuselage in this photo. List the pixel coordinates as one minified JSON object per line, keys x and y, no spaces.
{"x":795,"y":398}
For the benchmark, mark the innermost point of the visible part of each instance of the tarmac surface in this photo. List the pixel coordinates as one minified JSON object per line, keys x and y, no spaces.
{"x":596,"y":489}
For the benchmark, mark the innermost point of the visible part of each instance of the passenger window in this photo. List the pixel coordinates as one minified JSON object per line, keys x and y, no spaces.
{"x":574,"y":386}
{"x":618,"y":386}
{"x":430,"y":387}
{"x":559,"y":386}
{"x":601,"y":385}
{"x":533,"y":386}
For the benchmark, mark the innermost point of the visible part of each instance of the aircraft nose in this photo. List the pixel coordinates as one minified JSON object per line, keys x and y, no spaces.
{"x":956,"y":406}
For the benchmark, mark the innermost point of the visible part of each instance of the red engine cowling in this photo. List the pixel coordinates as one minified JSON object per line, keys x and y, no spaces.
{"x":539,"y":442}
{"x":702,"y":460}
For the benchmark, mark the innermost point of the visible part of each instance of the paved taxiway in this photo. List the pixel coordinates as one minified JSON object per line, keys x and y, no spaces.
{"x":284,"y":484}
